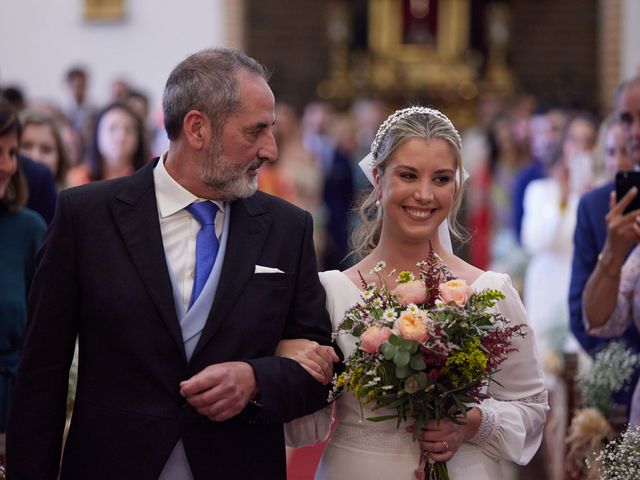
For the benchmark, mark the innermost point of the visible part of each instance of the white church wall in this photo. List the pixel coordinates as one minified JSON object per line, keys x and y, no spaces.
{"x":630,"y":51}
{"x":41,"y":39}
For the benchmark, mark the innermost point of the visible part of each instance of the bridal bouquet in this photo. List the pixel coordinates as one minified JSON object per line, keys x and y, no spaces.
{"x":425,"y":349}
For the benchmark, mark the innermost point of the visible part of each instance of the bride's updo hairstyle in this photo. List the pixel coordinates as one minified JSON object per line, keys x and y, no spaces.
{"x":414,"y":122}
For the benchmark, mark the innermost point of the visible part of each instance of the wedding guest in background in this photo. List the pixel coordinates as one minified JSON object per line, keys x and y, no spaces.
{"x":296,"y":175}
{"x":120,"y":89}
{"x":546,"y":127}
{"x":611,"y":151}
{"x":548,"y":224}
{"x":506,"y":155}
{"x":13,"y":94}
{"x":591,"y":228}
{"x":338,"y":193}
{"x":21,"y":232}
{"x":117,"y":148}
{"x":41,"y":141}
{"x":41,"y":187}
{"x":80,"y":111}
{"x":550,"y":206}
{"x":613,"y":289}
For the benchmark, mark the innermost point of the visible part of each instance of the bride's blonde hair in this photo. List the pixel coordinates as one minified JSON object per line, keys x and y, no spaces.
{"x":414,"y":122}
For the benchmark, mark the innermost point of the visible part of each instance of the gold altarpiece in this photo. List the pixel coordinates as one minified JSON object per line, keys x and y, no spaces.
{"x":438,"y":67}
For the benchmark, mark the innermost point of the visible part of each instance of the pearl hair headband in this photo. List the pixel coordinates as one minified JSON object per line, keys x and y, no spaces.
{"x":407,"y":112}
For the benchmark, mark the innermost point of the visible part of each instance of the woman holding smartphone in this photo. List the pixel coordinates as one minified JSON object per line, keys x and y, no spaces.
{"x":612,"y":294}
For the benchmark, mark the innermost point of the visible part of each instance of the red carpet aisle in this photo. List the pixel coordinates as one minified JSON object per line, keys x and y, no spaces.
{"x":302,"y":462}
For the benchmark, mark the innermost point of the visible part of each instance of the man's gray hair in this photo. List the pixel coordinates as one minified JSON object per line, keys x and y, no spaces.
{"x":206,"y":81}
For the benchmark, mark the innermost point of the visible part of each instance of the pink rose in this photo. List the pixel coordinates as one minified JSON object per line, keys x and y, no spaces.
{"x":411,"y":326}
{"x":373,"y":337}
{"x":411,"y":292}
{"x":456,"y":291}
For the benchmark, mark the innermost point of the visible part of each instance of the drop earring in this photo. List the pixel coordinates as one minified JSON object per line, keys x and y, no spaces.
{"x":377,"y":203}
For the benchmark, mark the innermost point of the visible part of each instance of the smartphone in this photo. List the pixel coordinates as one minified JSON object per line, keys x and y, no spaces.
{"x":624,"y":182}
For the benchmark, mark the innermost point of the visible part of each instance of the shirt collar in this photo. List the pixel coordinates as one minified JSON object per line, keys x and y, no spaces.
{"x":170,"y":195}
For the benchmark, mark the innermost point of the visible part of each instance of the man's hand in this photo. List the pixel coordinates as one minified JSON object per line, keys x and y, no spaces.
{"x":221,"y":391}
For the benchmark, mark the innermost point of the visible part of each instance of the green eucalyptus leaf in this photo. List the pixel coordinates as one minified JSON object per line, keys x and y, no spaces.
{"x":402,"y":372}
{"x":401,"y":358}
{"x":389,"y":350}
{"x":417,"y":362}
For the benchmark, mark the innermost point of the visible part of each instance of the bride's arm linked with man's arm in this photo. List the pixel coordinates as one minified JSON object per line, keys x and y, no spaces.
{"x":318,"y":361}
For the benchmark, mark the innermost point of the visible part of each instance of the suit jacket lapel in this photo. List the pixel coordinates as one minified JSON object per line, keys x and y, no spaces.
{"x":136,"y":213}
{"x":248,"y":229}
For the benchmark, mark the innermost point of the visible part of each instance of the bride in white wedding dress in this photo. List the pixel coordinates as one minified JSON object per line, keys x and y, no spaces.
{"x":417,"y":176}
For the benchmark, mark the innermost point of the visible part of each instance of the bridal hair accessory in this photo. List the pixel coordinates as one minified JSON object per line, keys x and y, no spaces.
{"x":399,"y":115}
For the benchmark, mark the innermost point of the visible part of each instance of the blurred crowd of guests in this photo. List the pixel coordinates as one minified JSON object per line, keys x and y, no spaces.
{"x":529,"y":165}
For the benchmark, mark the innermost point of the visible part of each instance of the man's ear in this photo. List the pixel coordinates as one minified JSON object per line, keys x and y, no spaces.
{"x":197,"y":129}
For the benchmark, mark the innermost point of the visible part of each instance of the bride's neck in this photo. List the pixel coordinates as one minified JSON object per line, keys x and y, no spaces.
{"x":403,"y":255}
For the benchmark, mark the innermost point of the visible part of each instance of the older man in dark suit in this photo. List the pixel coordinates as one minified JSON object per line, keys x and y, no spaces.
{"x":179,"y":281}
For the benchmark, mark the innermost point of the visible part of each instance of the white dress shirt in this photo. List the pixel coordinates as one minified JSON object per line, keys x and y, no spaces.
{"x":179,"y":228}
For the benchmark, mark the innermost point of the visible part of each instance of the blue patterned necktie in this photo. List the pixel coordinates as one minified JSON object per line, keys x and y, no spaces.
{"x":206,"y":244}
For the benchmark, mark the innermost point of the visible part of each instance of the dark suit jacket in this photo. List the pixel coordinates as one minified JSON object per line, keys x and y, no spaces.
{"x":103,"y":275}
{"x":42,"y":188}
{"x":589,"y":238}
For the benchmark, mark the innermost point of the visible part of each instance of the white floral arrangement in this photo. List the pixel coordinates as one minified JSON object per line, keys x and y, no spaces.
{"x":612,"y":370}
{"x":620,"y":458}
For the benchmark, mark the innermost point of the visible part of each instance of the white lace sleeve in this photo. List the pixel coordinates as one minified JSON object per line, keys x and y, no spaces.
{"x":309,"y":430}
{"x":513,"y":417}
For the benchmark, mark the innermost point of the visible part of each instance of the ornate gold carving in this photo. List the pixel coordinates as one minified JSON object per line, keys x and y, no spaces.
{"x":104,"y":10}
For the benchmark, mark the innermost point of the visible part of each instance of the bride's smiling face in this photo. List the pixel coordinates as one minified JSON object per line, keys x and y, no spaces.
{"x":417,"y":189}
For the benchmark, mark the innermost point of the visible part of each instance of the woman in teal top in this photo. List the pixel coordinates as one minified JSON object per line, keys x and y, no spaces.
{"x":21,"y":232}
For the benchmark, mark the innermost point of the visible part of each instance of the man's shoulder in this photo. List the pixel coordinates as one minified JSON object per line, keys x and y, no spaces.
{"x":128,"y":187}
{"x":275,"y":205}
{"x":101,"y":189}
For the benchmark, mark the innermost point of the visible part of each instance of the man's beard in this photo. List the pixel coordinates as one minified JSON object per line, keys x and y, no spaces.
{"x":229,"y":180}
